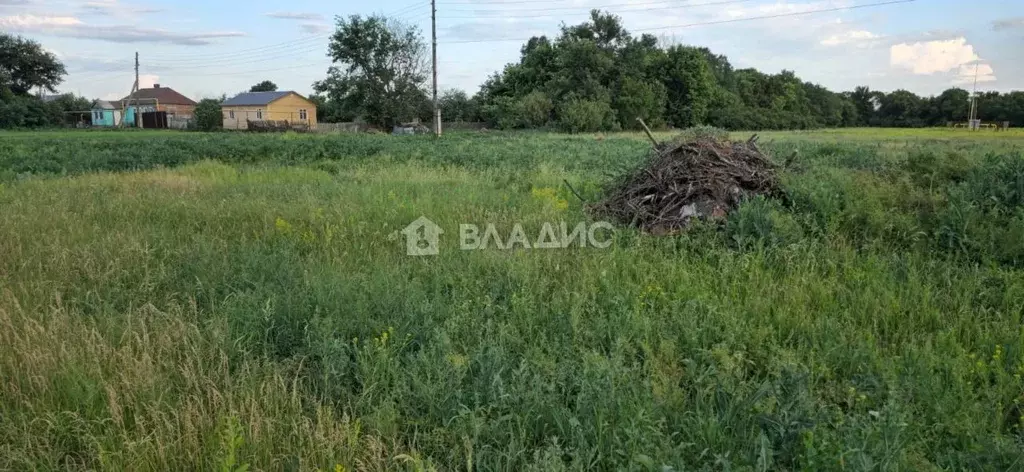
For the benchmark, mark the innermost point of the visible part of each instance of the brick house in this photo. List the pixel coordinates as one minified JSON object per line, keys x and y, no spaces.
{"x":163,"y":99}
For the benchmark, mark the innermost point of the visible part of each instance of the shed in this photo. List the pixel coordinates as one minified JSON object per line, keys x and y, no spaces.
{"x":105,"y":114}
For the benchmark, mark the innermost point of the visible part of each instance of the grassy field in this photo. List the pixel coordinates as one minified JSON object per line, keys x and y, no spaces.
{"x":176,"y":301}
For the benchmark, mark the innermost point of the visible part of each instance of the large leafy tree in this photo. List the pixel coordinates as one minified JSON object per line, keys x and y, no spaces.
{"x":208,"y":115}
{"x":379,"y":70}
{"x":690,"y":85}
{"x":951,"y":105}
{"x":25,"y":65}
{"x":265,"y":86}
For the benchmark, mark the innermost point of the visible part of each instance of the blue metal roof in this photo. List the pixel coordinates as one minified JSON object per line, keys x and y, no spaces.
{"x":254,"y":98}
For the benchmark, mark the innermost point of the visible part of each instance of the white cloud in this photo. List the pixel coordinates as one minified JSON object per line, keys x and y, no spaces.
{"x":148,"y":80}
{"x":289,"y":15}
{"x":966,"y":74}
{"x":855,"y":36}
{"x":72,"y":27}
{"x":115,"y":8}
{"x":23,"y":22}
{"x":930,"y":57}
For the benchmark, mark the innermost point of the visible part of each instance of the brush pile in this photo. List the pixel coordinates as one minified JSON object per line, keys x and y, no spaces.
{"x":692,"y":177}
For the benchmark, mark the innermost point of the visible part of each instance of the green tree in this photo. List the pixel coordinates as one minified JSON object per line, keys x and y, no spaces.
{"x":951,"y":105}
{"x":457,"y":106}
{"x":25,"y":65}
{"x":690,"y":86}
{"x":208,"y":115}
{"x":864,"y":101}
{"x":265,"y":86}
{"x":901,"y":108}
{"x":378,"y":72}
{"x":639,"y":98}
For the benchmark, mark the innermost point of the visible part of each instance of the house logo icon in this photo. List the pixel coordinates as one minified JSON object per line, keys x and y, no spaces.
{"x":422,"y":237}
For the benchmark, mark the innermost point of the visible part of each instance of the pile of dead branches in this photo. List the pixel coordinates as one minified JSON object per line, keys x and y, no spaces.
{"x":702,"y":177}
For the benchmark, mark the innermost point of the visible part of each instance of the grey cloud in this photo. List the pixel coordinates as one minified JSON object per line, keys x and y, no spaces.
{"x":125,"y":33}
{"x":481,"y":31}
{"x":284,"y":15}
{"x":115,"y":8}
{"x":132,"y":34}
{"x":1008,"y":24}
{"x":315,"y":28}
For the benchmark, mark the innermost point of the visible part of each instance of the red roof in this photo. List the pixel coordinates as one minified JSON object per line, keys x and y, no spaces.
{"x":163,"y":96}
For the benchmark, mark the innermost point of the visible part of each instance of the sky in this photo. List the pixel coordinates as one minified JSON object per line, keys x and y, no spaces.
{"x":206,"y":48}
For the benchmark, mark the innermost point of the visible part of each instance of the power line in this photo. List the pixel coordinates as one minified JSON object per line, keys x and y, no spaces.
{"x":253,"y":71}
{"x":246,"y":59}
{"x":498,"y":3}
{"x":510,"y":14}
{"x":411,"y":6}
{"x":780,"y":15}
{"x":675,"y":3}
{"x":409,"y":11}
{"x":716,"y":22}
{"x":214,"y":56}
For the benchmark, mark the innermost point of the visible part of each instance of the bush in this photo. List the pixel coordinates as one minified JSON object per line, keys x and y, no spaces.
{"x":581,"y":116}
{"x":208,"y":116}
{"x":762,"y":222}
{"x":28,"y":112}
{"x":534,"y":110}
{"x":530,"y":111}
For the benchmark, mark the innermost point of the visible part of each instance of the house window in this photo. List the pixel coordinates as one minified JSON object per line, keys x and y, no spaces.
{"x":302,"y":114}
{"x":231,"y":114}
{"x":259,"y":114}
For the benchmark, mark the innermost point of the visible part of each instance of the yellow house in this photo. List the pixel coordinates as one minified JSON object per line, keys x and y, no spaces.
{"x":258,"y":106}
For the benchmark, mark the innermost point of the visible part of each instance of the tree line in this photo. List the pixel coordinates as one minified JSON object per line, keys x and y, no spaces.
{"x":596,"y":76}
{"x":25,"y":66}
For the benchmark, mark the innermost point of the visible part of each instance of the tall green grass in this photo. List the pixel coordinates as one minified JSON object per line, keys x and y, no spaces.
{"x":261,"y":312}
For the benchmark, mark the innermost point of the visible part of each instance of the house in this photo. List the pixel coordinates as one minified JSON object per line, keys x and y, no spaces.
{"x":105,"y":113}
{"x":159,"y":99}
{"x":277,"y":106}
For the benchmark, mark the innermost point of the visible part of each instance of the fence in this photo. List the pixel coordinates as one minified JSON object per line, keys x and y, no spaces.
{"x":179,"y":122}
{"x":350,"y":127}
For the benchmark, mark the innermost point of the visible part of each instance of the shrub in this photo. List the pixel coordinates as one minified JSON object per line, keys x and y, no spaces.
{"x":208,"y":116}
{"x":534,"y":110}
{"x":581,"y":116}
{"x":762,"y":222}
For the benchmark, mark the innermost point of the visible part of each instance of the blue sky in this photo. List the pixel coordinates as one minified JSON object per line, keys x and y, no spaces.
{"x":213,"y":47}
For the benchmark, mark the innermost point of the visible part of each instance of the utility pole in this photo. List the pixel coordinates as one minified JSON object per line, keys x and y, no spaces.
{"x":135,"y":88}
{"x":974,"y":98}
{"x":138,"y":113}
{"x":433,"y":37}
